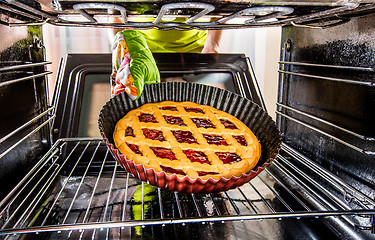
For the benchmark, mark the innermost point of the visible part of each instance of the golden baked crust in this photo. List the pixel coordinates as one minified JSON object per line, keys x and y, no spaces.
{"x":186,"y":138}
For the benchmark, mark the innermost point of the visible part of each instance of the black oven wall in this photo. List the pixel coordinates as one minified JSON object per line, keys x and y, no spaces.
{"x":24,"y":121}
{"x":327,"y":97}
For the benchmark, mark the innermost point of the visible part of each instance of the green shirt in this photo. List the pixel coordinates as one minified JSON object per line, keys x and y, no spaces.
{"x":191,"y":41}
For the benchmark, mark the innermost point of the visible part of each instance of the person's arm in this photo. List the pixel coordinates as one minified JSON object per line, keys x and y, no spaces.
{"x":212,"y":43}
{"x":116,"y":29}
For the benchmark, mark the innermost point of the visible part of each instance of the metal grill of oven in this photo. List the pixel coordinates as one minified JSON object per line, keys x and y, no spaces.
{"x":78,"y":190}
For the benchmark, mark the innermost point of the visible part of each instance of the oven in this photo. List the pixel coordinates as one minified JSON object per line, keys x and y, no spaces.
{"x":59,"y":181}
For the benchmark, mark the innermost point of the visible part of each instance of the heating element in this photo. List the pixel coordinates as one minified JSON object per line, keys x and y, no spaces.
{"x":211,"y":14}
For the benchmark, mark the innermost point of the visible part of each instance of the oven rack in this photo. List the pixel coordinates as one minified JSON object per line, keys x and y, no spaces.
{"x":210,"y":14}
{"x":18,"y":72}
{"x":287,"y":69}
{"x":22,"y":67}
{"x":78,"y":188}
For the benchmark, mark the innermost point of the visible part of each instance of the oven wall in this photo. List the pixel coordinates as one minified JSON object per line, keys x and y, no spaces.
{"x":325,"y":112}
{"x":23,"y":97}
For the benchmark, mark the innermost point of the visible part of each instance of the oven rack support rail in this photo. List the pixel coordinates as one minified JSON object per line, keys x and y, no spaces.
{"x":206,"y":15}
{"x":360,"y":142}
{"x":42,"y":195}
{"x":44,"y":118}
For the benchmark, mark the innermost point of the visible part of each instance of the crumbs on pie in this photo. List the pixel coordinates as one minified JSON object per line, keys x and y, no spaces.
{"x":186,"y":138}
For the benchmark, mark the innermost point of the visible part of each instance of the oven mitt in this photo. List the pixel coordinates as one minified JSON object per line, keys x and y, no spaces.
{"x":133,"y":65}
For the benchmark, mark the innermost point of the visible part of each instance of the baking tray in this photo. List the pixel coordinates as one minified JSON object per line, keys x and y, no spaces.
{"x":244,"y":109}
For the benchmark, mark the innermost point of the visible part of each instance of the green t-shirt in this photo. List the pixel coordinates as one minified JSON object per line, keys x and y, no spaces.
{"x":189,"y":41}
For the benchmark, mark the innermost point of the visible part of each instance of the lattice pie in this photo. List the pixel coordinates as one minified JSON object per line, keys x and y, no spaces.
{"x":186,"y":138}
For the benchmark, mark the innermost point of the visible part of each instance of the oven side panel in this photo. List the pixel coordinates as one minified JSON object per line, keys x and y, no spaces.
{"x":327,"y":97}
{"x":24,"y":131}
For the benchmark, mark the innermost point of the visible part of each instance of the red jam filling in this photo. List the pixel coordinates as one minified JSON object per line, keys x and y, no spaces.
{"x":184,"y":136}
{"x":170,"y":108}
{"x":146,"y":117}
{"x":153,"y":134}
{"x":215,"y":139}
{"x":134,"y":148}
{"x":203,"y":173}
{"x":228,"y":124}
{"x":172,"y":170}
{"x":241,"y":140}
{"x":129,"y":132}
{"x":202,"y":123}
{"x":174,"y":120}
{"x":228,"y":158}
{"x":163,"y":153}
{"x":196,"y":156}
{"x":196,"y":110}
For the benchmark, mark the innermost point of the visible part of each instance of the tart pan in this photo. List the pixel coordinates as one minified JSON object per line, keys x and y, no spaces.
{"x":260,"y":123}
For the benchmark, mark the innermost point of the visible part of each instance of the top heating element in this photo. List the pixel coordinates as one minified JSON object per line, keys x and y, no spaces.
{"x":197,"y":15}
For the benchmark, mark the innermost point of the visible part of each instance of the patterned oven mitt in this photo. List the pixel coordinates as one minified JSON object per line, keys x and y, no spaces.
{"x":133,"y":65}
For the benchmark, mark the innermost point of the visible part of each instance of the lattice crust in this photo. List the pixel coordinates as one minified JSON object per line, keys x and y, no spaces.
{"x":186,"y":138}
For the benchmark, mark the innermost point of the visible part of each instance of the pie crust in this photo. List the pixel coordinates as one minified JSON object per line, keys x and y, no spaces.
{"x":186,"y":138}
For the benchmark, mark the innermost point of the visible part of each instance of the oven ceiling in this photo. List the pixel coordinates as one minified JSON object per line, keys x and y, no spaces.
{"x":199,"y":15}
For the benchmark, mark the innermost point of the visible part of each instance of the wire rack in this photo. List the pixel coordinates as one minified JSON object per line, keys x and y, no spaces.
{"x":21,"y":72}
{"x":78,"y":189}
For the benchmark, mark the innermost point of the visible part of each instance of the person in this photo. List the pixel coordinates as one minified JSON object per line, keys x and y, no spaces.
{"x":133,"y":64}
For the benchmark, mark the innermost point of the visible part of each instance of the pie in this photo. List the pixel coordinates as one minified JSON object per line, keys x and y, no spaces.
{"x":186,"y":138}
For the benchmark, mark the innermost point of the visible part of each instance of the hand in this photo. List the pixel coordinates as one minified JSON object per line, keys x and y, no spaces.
{"x":133,"y":64}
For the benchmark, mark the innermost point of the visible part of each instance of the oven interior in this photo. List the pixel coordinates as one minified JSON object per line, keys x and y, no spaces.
{"x":59,"y":181}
